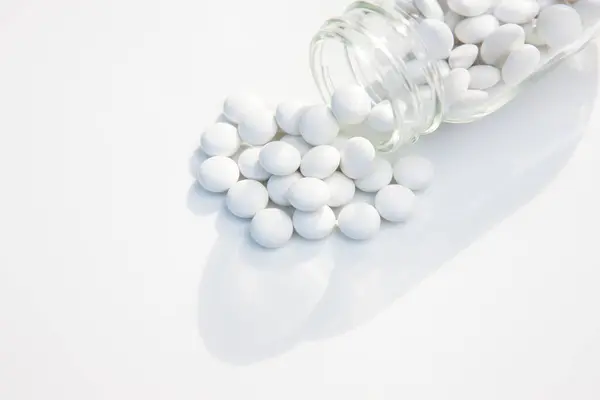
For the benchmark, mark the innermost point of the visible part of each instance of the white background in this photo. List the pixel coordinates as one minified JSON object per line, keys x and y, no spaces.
{"x":119,"y":279}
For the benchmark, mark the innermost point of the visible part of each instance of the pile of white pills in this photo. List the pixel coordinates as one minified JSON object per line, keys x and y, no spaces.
{"x":290,"y":169}
{"x":481,"y":45}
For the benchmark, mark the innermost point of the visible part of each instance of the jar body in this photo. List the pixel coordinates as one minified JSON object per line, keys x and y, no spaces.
{"x":382,"y":45}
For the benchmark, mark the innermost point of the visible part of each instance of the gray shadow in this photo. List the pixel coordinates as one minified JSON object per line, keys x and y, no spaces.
{"x":256,"y":304}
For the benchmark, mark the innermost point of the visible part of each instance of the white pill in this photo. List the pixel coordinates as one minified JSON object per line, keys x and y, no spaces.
{"x":463,"y":56}
{"x":357,"y":157}
{"x":298,"y":142}
{"x":320,"y":162}
{"x":218,"y":174}
{"x":258,"y":128}
{"x":271,"y":228}
{"x":249,"y":165}
{"x":318,"y":125}
{"x":288,"y":116}
{"x":469,"y":8}
{"x":308,"y":194}
{"x":430,"y":9}
{"x":516,"y":11}
{"x":278,"y":187}
{"x":380,"y":177}
{"x":415,"y":71}
{"x":414,"y":172}
{"x":341,"y":189}
{"x":496,"y":47}
{"x":395,"y":203}
{"x":437,"y":38}
{"x":238,"y":106}
{"x":520,"y":64}
{"x":476,"y":29}
{"x":381,"y":118}
{"x":246,"y":198}
{"x":350,"y":104}
{"x":314,"y":225}
{"x":559,"y":25}
{"x":280,"y":158}
{"x":484,"y":77}
{"x":221,"y":139}
{"x":359,"y":221}
{"x":455,"y":85}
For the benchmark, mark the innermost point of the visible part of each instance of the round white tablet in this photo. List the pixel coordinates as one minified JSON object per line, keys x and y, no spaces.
{"x":258,"y":128}
{"x":437,"y":37}
{"x":380,"y":176}
{"x":559,"y":25}
{"x":308,"y":194}
{"x":382,"y":117}
{"x":395,"y":203}
{"x":350,"y":104}
{"x":314,"y":225}
{"x":249,"y":165}
{"x":280,"y":158}
{"x":221,"y":139}
{"x":320,"y":162}
{"x":357,"y":158}
{"x":288,"y":116}
{"x":246,"y":198}
{"x":318,"y":125}
{"x":218,"y":174}
{"x":298,"y":142}
{"x":341,"y":189}
{"x":278,"y":187}
{"x":239,"y":105}
{"x":359,"y":221}
{"x":271,"y":228}
{"x":414,"y":172}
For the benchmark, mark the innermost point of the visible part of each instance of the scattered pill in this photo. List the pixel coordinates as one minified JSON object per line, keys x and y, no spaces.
{"x":351,"y":105}
{"x":258,"y":128}
{"x":246,"y":198}
{"x":381,"y":176}
{"x":516,"y":11}
{"x":463,"y":56}
{"x":221,"y":139}
{"x":382,"y":118}
{"x":414,"y":172}
{"x":359,"y":221}
{"x":497,"y":46}
{"x":483,"y":77}
{"x":395,"y":203}
{"x":314,"y":225}
{"x":470,"y":8}
{"x":520,"y":64}
{"x":308,"y":194}
{"x":218,"y":174}
{"x":279,"y":158}
{"x":271,"y":228}
{"x":476,"y":29}
{"x":249,"y":165}
{"x":318,"y":125}
{"x":278,"y":187}
{"x":559,"y":25}
{"x":288,"y":116}
{"x":238,"y":106}
{"x":341,"y":189}
{"x":357,"y":157}
{"x":320,"y":162}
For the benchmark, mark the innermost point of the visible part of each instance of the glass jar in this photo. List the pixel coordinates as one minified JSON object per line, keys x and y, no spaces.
{"x":377,"y":46}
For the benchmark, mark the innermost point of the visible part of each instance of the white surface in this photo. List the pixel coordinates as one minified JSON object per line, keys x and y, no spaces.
{"x":111,"y":288}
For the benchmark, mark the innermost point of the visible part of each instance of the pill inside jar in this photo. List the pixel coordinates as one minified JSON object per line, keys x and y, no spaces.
{"x":424,"y":62}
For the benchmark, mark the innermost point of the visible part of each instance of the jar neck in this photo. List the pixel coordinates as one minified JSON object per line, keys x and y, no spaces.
{"x":374,"y":48}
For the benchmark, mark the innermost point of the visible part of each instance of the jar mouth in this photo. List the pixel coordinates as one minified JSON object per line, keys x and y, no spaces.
{"x":369,"y":47}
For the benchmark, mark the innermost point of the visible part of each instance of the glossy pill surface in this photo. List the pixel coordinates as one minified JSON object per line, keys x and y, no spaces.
{"x":308,"y":194}
{"x":359,"y":221}
{"x":246,"y":198}
{"x":314,"y":225}
{"x":271,"y":228}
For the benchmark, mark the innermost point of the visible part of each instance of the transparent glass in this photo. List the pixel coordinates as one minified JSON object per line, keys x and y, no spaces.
{"x":376,"y":45}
